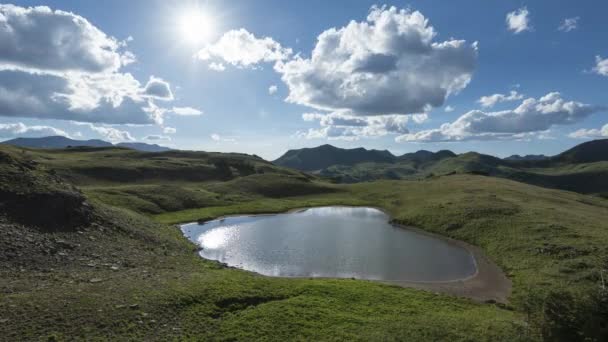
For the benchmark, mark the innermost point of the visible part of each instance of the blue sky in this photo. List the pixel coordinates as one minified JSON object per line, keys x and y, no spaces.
{"x":529,"y":60}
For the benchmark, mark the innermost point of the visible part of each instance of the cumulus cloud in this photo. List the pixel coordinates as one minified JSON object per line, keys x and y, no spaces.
{"x":218,"y":138}
{"x":216,"y":66}
{"x":449,"y":109}
{"x":387,"y":64}
{"x":590,"y":133}
{"x":186,"y":111}
{"x":84,"y":98}
{"x":569,"y":24}
{"x":20,"y":129}
{"x":273,"y":89}
{"x":601,"y":66}
{"x":491,"y":100}
{"x":112,"y":134}
{"x":57,"y":65}
{"x":518,"y":21}
{"x":341,"y":126}
{"x":530,"y":117}
{"x":157,"y":137}
{"x":159,"y":89}
{"x":42,"y":39}
{"x":242,"y":49}
{"x":169,"y":130}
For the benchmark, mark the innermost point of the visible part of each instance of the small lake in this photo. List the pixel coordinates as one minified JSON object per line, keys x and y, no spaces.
{"x":331,"y":242}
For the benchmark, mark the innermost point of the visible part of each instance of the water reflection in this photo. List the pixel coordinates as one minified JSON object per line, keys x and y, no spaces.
{"x":338,"y":242}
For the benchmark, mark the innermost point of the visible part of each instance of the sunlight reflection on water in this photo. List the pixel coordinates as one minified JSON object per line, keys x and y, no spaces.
{"x":337,"y":242}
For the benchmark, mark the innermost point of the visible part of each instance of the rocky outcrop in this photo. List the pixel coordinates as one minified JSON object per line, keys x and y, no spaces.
{"x":30,"y":195}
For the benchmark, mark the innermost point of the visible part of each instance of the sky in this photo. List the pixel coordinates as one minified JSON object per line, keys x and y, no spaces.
{"x":265,"y":76}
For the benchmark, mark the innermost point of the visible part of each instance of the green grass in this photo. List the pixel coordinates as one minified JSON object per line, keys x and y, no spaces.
{"x":548,"y":242}
{"x":589,"y":178}
{"x":259,"y":206}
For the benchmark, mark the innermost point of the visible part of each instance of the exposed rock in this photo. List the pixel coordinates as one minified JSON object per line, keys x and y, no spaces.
{"x":32,"y":196}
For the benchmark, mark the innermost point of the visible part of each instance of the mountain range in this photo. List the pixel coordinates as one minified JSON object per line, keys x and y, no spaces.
{"x":63,"y":142}
{"x":583,"y":168}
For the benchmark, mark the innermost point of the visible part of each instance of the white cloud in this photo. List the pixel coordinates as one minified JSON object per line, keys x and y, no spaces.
{"x":169,"y":130}
{"x":108,"y":98}
{"x":57,"y":65}
{"x":273,"y":89}
{"x":590,"y":133}
{"x":420,"y":118}
{"x":387,"y":64}
{"x":42,"y":39}
{"x":491,"y":100}
{"x":519,"y":21}
{"x":348,"y":127}
{"x":186,"y":111}
{"x":156,"y":137}
{"x":242,"y":49}
{"x":216,"y":66}
{"x":449,"y":109}
{"x":159,"y":89}
{"x":23,"y":130}
{"x":601,"y":66}
{"x":330,"y":133}
{"x":112,"y":134}
{"x":569,"y":24}
{"x":312,"y":116}
{"x":218,"y":138}
{"x":533,"y":116}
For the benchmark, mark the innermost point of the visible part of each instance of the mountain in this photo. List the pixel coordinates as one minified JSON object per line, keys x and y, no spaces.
{"x":423,"y":156}
{"x":318,"y":158}
{"x":144,"y":147}
{"x":55,"y":142}
{"x":528,"y":157}
{"x":63,"y":142}
{"x":588,"y":152}
{"x":584,"y":168}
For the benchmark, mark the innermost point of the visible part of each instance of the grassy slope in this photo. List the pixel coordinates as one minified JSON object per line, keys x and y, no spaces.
{"x":590,"y":178}
{"x":545,"y":239}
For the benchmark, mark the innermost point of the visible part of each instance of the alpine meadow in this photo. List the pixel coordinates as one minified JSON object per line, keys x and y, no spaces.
{"x":201,"y":170}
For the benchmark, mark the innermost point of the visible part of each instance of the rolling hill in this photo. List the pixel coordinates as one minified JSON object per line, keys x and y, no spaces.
{"x":89,"y":251}
{"x":588,"y":152}
{"x":63,"y":142}
{"x":584,"y":168}
{"x":312,"y":159}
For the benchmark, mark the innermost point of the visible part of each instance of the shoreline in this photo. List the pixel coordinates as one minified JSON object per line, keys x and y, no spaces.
{"x":488,"y":284}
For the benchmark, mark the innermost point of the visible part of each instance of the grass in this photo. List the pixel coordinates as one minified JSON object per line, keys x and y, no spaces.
{"x":147,"y":282}
{"x":590,"y":178}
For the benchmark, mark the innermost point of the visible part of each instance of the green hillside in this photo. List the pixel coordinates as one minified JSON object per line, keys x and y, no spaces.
{"x":311,"y":159}
{"x":123,"y":271}
{"x":583,"y":168}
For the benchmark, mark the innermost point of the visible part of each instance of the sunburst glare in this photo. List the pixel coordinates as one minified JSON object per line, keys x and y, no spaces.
{"x":194,"y":25}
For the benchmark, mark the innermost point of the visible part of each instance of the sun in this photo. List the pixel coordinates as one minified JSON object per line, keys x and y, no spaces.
{"x":194,"y":26}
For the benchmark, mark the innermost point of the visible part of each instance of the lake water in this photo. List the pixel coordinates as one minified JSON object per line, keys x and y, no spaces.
{"x":333,"y":242}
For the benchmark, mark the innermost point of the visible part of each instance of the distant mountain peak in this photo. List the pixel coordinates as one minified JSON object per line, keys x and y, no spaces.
{"x":320,"y":157}
{"x":59,"y":142}
{"x":587,"y":152}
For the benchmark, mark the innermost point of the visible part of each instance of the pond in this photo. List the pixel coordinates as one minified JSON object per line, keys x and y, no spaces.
{"x":331,"y":242}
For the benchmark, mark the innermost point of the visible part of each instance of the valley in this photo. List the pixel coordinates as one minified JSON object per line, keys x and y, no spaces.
{"x":583,"y":168}
{"x":123,"y":270}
